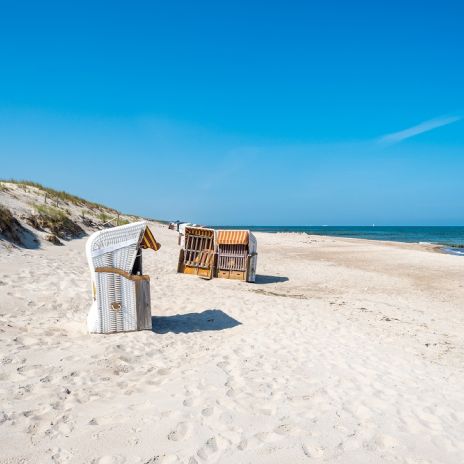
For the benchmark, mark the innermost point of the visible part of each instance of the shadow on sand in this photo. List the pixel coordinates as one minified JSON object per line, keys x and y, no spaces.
{"x":29,"y":240}
{"x":17,"y":235}
{"x":212,"y":319}
{"x":268,"y":279}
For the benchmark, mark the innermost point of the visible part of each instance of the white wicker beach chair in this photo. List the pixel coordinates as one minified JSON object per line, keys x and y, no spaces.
{"x":121,"y":294}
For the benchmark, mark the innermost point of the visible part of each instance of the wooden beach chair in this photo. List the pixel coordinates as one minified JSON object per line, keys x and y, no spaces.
{"x":197,"y":256}
{"x":236,"y":255}
{"x":121,"y":293}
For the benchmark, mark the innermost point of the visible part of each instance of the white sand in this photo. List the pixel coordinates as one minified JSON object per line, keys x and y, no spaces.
{"x":346,"y":351}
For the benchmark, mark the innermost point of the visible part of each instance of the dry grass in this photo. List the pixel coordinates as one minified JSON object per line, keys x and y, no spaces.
{"x":49,"y":211}
{"x":55,"y":221}
{"x":10,"y":228}
{"x":60,"y":195}
{"x":90,"y":208}
{"x":103,"y":217}
{"x":5,"y":217}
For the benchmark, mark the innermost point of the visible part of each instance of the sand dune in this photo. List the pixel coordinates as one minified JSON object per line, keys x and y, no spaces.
{"x":344,"y":351}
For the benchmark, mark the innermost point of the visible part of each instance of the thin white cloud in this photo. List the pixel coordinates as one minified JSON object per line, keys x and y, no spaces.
{"x":425,"y":126}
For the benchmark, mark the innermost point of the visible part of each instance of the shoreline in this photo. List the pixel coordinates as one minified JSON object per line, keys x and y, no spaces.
{"x":444,"y":236}
{"x":435,"y":247}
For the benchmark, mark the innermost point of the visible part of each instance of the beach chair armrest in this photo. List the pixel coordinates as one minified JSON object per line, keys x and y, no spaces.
{"x":115,"y":270}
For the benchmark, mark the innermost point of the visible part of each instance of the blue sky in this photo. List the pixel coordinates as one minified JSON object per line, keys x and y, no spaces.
{"x":274,"y":113}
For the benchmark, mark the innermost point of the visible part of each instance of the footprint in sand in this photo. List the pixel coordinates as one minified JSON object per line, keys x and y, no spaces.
{"x":189,"y":402}
{"x":164,"y":371}
{"x":109,"y":460}
{"x":179,"y":433}
{"x":384,"y":441}
{"x":242,"y":445}
{"x":223,"y":364}
{"x":312,"y":451}
{"x":60,"y":456}
{"x":165,"y":459}
{"x":286,"y":429}
{"x":208,"y":449}
{"x":207,"y":412}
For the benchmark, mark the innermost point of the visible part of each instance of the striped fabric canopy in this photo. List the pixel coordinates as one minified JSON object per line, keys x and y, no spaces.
{"x":232,"y":237}
{"x":148,"y":240}
{"x":199,"y":231}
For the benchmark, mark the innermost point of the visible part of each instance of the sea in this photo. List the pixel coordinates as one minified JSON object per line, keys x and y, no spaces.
{"x":450,"y":237}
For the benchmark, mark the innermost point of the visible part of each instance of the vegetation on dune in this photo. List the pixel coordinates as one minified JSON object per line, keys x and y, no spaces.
{"x":55,"y":221}
{"x":103,"y":217}
{"x":52,"y":199}
{"x":59,"y":195}
{"x":53,"y":239}
{"x":47,"y":210}
{"x":54,"y":215}
{"x":112,"y":220}
{"x":10,"y":228}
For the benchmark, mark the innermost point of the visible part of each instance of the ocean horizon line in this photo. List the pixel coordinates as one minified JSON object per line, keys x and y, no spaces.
{"x":446,"y":236}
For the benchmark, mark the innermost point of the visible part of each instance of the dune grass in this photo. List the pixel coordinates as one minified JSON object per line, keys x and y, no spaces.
{"x":50,"y":211}
{"x":10,"y":228}
{"x":103,"y":217}
{"x":59,"y":195}
{"x":56,"y":221}
{"x":93,"y":208}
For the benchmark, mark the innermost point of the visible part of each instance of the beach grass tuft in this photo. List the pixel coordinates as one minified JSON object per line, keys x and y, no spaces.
{"x":49,"y":211}
{"x":56,"y":221}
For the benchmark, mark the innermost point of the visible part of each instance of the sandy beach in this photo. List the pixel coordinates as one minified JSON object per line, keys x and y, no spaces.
{"x":343,"y":351}
{"x":301,"y":165}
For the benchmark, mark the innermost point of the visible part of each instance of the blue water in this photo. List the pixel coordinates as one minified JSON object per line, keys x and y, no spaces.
{"x":448,"y":236}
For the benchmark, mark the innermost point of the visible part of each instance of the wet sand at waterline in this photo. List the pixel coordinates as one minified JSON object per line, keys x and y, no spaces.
{"x":343,"y":351}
